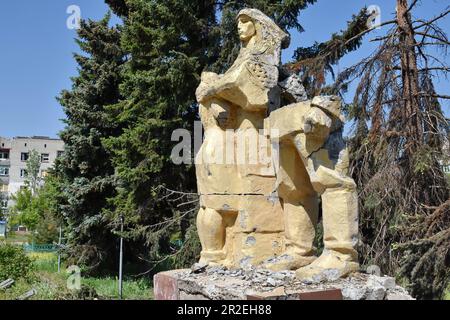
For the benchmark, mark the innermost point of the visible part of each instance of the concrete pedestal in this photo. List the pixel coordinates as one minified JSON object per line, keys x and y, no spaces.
{"x":220,"y":284}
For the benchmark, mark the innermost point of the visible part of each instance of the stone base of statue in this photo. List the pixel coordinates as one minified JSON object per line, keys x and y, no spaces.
{"x":217,"y":283}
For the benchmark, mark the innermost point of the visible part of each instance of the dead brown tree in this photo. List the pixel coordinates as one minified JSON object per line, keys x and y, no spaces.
{"x":397,"y":149}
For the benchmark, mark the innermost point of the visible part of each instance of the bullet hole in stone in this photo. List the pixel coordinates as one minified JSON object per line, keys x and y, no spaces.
{"x":250,"y":241}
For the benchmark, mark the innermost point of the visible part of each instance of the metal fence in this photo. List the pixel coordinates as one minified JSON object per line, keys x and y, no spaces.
{"x":40,"y":247}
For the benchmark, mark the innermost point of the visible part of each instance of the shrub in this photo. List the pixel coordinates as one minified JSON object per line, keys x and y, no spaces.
{"x":14,"y":263}
{"x":46,"y":230}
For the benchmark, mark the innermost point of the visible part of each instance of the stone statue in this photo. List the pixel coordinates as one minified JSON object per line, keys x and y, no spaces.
{"x":262,"y":168}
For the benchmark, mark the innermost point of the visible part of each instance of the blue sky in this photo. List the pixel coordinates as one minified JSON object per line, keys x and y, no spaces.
{"x":36,"y":60}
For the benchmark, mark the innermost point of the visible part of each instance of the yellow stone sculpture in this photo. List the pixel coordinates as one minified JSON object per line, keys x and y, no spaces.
{"x":263,"y":167}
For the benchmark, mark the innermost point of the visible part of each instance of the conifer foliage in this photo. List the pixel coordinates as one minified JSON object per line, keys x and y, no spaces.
{"x":85,"y":170}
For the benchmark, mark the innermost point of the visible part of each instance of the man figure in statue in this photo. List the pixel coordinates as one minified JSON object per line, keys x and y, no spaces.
{"x":320,"y":146}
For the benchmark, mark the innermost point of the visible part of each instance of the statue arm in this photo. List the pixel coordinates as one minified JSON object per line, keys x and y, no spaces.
{"x":212,"y":85}
{"x":300,"y":118}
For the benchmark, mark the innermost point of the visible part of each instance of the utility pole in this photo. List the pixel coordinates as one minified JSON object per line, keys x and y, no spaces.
{"x":59,"y":249}
{"x":121,"y":258}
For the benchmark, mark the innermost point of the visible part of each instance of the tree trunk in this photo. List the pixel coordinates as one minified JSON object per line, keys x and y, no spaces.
{"x":410,"y":77}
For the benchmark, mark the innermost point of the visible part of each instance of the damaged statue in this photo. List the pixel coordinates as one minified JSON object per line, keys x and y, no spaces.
{"x":269,"y":158}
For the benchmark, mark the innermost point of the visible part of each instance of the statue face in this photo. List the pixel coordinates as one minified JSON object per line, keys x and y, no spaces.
{"x":246,"y":28}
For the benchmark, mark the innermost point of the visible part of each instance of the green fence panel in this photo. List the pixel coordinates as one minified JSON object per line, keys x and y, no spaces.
{"x":40,"y":247}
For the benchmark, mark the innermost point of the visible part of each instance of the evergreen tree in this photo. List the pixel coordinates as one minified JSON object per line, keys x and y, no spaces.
{"x":170,"y":43}
{"x":85,"y":170}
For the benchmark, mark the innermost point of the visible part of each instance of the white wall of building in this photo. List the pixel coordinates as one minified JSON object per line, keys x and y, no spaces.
{"x":49,"y":149}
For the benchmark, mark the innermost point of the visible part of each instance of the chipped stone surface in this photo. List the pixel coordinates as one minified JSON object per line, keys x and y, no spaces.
{"x":293,"y":88}
{"x":385,"y":282}
{"x":219,"y":283}
{"x":376,"y":293}
{"x":373,"y":270}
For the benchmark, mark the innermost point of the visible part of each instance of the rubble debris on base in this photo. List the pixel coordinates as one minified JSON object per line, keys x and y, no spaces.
{"x":219,"y":283}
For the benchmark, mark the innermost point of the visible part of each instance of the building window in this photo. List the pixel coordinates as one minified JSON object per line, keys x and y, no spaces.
{"x":23,"y":173}
{"x":24,"y":156}
{"x":3,"y":188}
{"x":4,"y":155}
{"x":4,"y":204}
{"x":59,"y":154}
{"x":45,"y":157}
{"x":4,"y":171}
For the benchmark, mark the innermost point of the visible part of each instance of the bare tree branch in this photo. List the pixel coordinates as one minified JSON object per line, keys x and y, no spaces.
{"x":439,"y":96}
{"x":432,"y":20}
{"x":433,"y":36}
{"x":369,"y":30}
{"x":444,"y":69}
{"x":413,"y":4}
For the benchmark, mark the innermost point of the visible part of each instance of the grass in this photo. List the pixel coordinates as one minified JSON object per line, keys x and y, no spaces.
{"x":132,"y":289}
{"x":45,"y":261}
{"x":51,"y":285}
{"x":447,"y":293}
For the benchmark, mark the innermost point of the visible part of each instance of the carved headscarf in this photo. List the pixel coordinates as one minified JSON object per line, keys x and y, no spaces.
{"x":270,"y":38}
{"x":263,"y":60}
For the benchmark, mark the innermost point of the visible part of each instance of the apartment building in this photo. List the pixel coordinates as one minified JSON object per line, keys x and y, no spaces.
{"x":14,"y":154}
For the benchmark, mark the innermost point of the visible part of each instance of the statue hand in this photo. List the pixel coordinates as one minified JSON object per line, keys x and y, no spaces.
{"x":206,"y":88}
{"x":209,"y":77}
{"x":204,"y":91}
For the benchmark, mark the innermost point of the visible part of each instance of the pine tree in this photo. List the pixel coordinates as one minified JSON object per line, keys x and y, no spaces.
{"x":169,"y":44}
{"x":85,"y":170}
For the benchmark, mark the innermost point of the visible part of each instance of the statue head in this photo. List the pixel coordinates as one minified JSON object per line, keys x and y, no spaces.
{"x":254,"y":23}
{"x":246,"y":28}
{"x":262,"y":41}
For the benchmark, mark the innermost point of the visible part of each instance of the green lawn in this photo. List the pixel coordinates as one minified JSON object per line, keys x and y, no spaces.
{"x":447,"y":293}
{"x":132,"y":289}
{"x":51,"y":285}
